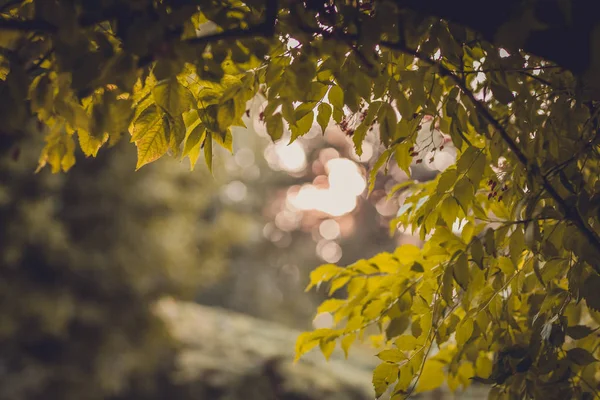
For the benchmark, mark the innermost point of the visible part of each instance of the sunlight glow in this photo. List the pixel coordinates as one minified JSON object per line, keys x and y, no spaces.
{"x":346,"y":182}
{"x":290,"y":158}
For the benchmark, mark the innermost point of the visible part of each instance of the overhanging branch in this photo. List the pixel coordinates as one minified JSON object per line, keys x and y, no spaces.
{"x":265,"y":29}
{"x":26,"y":25}
{"x":571,"y":214}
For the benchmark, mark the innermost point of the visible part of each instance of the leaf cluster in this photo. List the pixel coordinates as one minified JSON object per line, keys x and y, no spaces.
{"x":505,"y":288}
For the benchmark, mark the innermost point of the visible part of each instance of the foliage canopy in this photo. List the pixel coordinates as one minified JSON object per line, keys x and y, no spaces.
{"x":510,"y":298}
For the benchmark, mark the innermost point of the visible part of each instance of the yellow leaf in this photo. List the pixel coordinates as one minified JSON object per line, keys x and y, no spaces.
{"x":464,"y":331}
{"x":432,"y":376}
{"x":465,"y":373}
{"x":305,"y":342}
{"x":347,"y":342}
{"x":392,"y":355}
{"x":330,"y":305}
{"x":384,"y":375}
{"x":406,"y":343}
{"x":323,"y":273}
{"x":327,"y":348}
{"x":150,"y":136}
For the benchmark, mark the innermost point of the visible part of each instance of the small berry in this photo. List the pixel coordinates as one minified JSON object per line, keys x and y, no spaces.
{"x":500,"y":198}
{"x":441,"y":147}
{"x":419,"y":161}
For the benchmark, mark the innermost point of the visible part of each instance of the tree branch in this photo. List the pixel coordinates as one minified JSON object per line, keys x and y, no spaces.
{"x":265,"y":29}
{"x":570,"y":213}
{"x":26,"y":25}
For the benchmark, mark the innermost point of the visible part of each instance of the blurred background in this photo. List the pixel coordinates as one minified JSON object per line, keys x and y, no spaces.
{"x":166,"y":283}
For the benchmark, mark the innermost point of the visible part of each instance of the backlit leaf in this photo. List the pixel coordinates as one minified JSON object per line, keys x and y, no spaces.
{"x":150,"y":135}
{"x":323,"y":115}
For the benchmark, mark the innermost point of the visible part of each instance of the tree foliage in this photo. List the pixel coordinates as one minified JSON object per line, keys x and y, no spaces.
{"x":504,"y":290}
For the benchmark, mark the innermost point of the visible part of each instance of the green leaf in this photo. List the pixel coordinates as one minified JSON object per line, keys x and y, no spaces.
{"x":461,"y":271}
{"x":392,"y":356}
{"x":590,"y":292}
{"x":150,"y":135}
{"x":516,"y":245}
{"x":403,"y":157}
{"x":579,"y":331}
{"x":384,"y":375}
{"x":224,"y":140}
{"x":447,"y":288}
{"x":464,"y":193}
{"x":477,"y":252}
{"x":383,"y":158}
{"x":432,"y":376}
{"x":464,"y":331}
{"x":449,"y":210}
{"x":446,"y":181}
{"x":387,"y":123}
{"x":194,"y":139}
{"x":397,"y":326}
{"x":323,"y":115}
{"x":275,"y":126}
{"x":303,"y":125}
{"x":502,"y":93}
{"x":173,"y":97}
{"x":581,"y":356}
{"x":336,"y":97}
{"x":208,"y":152}
{"x":226,"y":114}
{"x":490,"y":242}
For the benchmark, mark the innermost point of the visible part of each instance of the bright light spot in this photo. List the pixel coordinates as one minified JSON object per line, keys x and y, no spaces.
{"x":329,"y":229}
{"x":345,"y":177}
{"x":291,"y":43}
{"x":235,"y":191}
{"x":282,"y":156}
{"x":441,"y":160}
{"x":324,"y":200}
{"x":437,"y":54}
{"x":458,"y":226}
{"x":339,"y":197}
{"x":503,"y":53}
{"x":244,"y":158}
{"x":330,"y":252}
{"x":323,"y":321}
{"x":292,"y":157}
